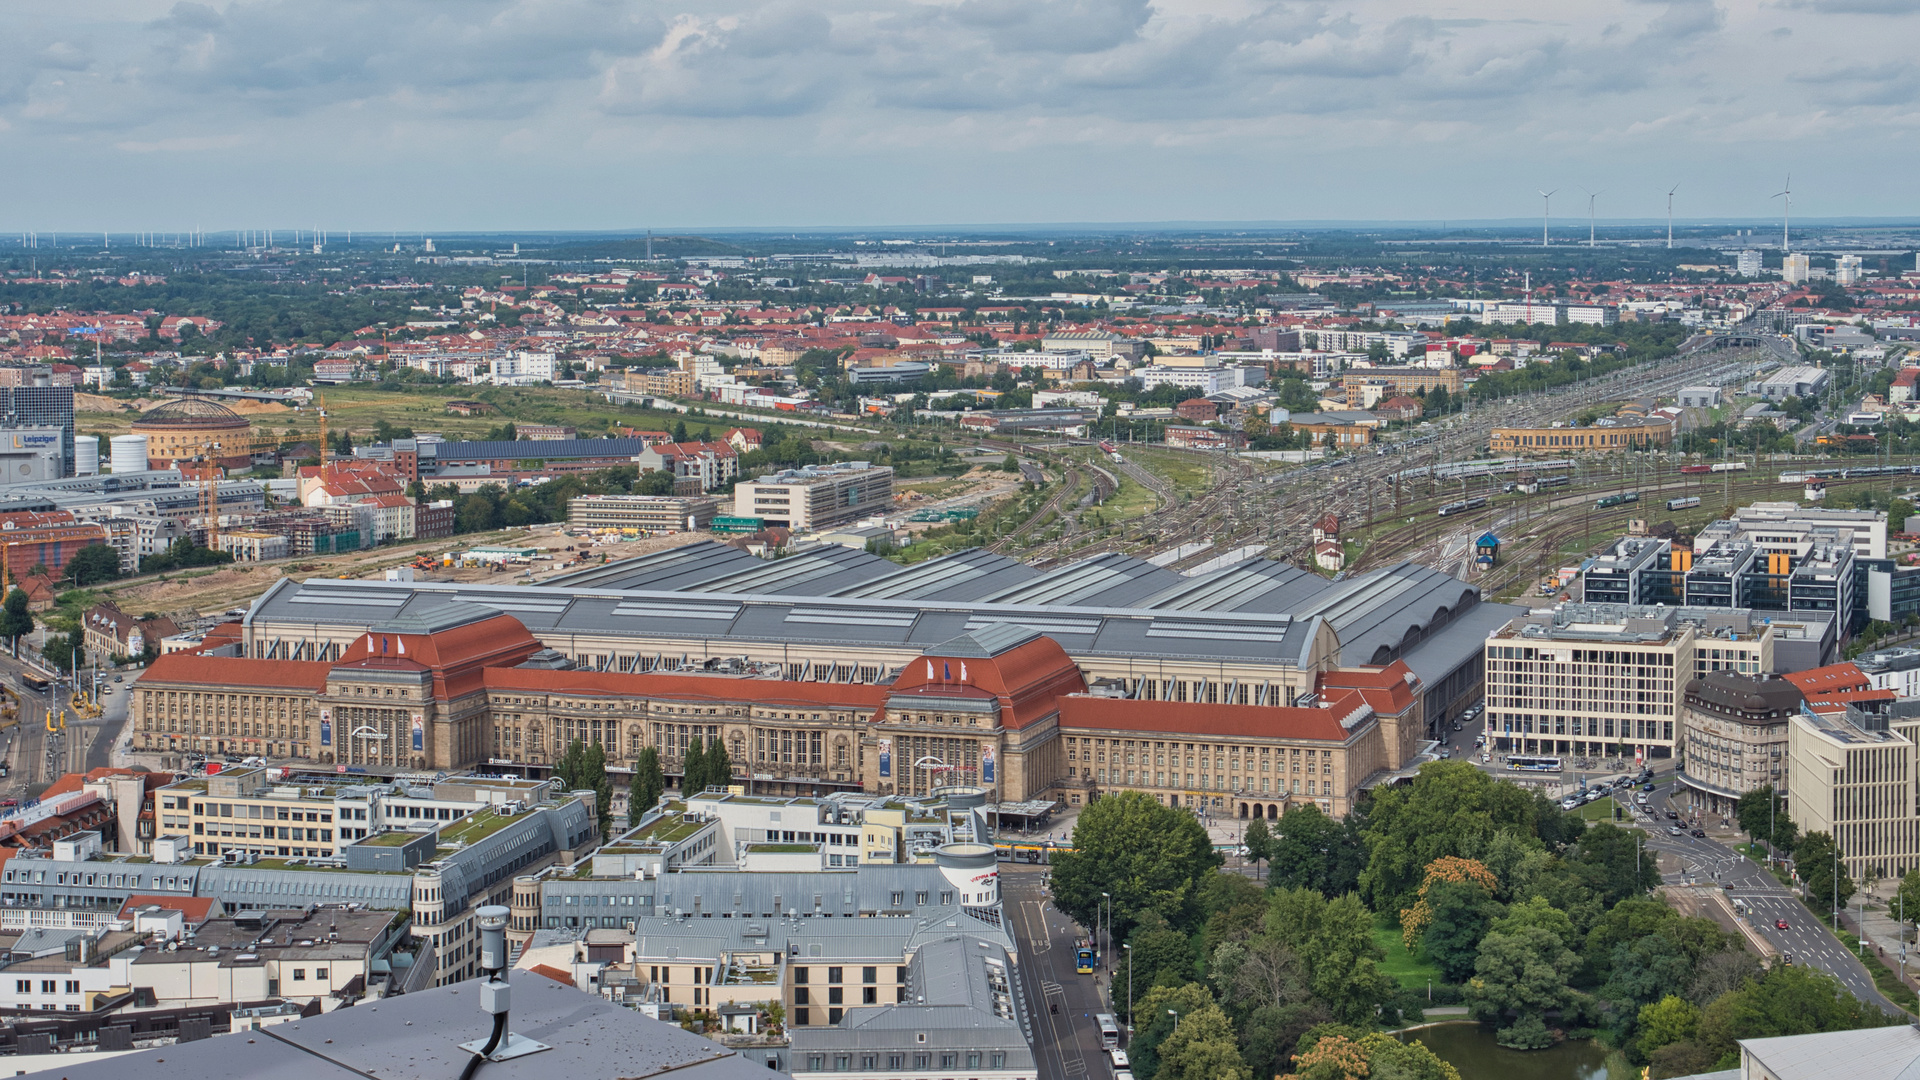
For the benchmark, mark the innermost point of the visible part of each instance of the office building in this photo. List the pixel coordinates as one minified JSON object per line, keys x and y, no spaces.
{"x":1363,"y":385}
{"x":1734,"y":738}
{"x":41,"y":407}
{"x":644,"y":515}
{"x":1606,"y":680}
{"x":1792,"y":529}
{"x":1796,"y":269}
{"x":817,"y":496}
{"x":1852,"y":778}
{"x":1846,"y":270}
{"x":1809,"y":600}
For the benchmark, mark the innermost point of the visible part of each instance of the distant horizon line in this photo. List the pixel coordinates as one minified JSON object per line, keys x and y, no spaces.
{"x":1519,"y":224}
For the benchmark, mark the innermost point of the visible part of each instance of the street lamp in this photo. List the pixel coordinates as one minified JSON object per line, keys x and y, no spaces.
{"x":1098,"y":950}
{"x":1129,"y":947}
{"x":1176,"y":1021}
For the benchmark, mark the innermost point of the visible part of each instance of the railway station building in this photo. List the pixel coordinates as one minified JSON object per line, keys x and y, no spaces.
{"x":1241,"y":690}
{"x":1560,"y":440}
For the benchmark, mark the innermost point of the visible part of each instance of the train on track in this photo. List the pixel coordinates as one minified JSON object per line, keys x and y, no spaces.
{"x":1719,"y":466}
{"x":1607,"y":502}
{"x":1860,"y":472}
{"x":1463,"y":506}
{"x":1684,"y":503}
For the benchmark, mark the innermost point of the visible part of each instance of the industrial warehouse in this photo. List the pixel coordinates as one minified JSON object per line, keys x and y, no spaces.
{"x":834,"y":670}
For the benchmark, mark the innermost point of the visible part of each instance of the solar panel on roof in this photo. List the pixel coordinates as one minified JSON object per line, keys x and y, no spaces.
{"x":852,"y":616}
{"x":675,"y":611}
{"x":1042,"y":624}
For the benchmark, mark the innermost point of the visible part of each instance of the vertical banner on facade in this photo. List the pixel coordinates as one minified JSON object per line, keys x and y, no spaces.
{"x":419,"y":733}
{"x":986,"y":764}
{"x":886,"y":757}
{"x":1640,"y":755}
{"x":326,"y":727}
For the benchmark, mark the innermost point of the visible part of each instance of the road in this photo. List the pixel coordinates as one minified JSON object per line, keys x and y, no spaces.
{"x":87,"y":744}
{"x":1066,"y":1044}
{"x":1708,"y":861}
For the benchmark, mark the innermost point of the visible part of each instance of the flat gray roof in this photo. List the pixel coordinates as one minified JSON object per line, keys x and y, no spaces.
{"x":417,"y":1036}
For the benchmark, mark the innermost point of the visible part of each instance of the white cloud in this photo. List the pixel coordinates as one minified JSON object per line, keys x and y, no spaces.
{"x":771,"y":111}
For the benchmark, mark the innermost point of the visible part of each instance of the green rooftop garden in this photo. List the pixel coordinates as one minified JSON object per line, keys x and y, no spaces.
{"x":395,"y":838}
{"x":782,"y":849}
{"x":476,"y":826}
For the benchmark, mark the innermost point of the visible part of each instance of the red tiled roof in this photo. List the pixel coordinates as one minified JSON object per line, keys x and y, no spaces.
{"x":1089,"y":713}
{"x":458,"y":657}
{"x":1029,"y":680}
{"x":1820,"y":681}
{"x":197,"y":909}
{"x":198,"y":670}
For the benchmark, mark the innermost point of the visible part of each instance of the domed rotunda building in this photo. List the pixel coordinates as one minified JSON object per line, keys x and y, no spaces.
{"x":186,"y":429}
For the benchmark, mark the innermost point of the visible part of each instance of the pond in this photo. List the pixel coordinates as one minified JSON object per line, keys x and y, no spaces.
{"x":1470,"y":1048}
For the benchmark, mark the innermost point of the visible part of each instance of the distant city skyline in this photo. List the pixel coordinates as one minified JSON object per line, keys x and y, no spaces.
{"x":577,"y":115}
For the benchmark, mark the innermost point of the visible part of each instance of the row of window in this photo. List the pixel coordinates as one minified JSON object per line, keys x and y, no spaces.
{"x":949,"y":1059}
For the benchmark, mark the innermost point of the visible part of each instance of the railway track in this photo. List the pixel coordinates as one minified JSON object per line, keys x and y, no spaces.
{"x":1247,"y":504}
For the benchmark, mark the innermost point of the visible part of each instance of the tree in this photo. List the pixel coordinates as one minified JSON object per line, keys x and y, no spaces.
{"x":1447,"y":868}
{"x":1312,"y":850}
{"x":1906,"y":901}
{"x":1670,"y":1020}
{"x":1762,"y":814}
{"x":1460,"y":915}
{"x":1786,"y":1000}
{"x":693,"y":769}
{"x":93,"y":564}
{"x":1334,"y":939}
{"x":719,"y":765}
{"x":1824,"y":870}
{"x":649,"y":783}
{"x":593,"y":776}
{"x":1202,"y":1048}
{"x":1518,"y":979}
{"x":62,"y":650}
{"x":1010,"y":465}
{"x":1451,"y":808}
{"x":1617,"y":863}
{"x":1147,"y":856}
{"x":16,"y":620}
{"x":1162,"y":956}
{"x":1259,"y":842}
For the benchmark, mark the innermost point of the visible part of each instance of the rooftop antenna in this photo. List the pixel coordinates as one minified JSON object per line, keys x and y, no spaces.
{"x":1670,"y":192}
{"x":1786,"y":219}
{"x":1545,"y":211}
{"x":1591,"y":196}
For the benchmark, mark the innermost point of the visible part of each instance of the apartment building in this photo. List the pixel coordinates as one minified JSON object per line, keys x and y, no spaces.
{"x":1734,"y":738}
{"x":817,"y":496}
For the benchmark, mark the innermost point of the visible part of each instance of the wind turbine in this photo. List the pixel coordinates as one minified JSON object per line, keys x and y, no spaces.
{"x":1670,"y":192}
{"x":1545,"y":211}
{"x":1591,"y":195}
{"x":1787,"y":218}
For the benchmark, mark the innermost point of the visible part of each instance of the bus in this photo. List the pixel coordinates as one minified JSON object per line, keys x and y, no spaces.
{"x":34,"y":682}
{"x":1521,"y":763}
{"x":1109,"y":1031}
{"x":1682,"y":504}
{"x":1083,"y":957}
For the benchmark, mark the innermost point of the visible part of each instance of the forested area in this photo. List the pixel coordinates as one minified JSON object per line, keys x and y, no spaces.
{"x":1543,"y":924}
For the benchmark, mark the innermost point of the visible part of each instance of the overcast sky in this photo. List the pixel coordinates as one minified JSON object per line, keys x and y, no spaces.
{"x":544,"y":114}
